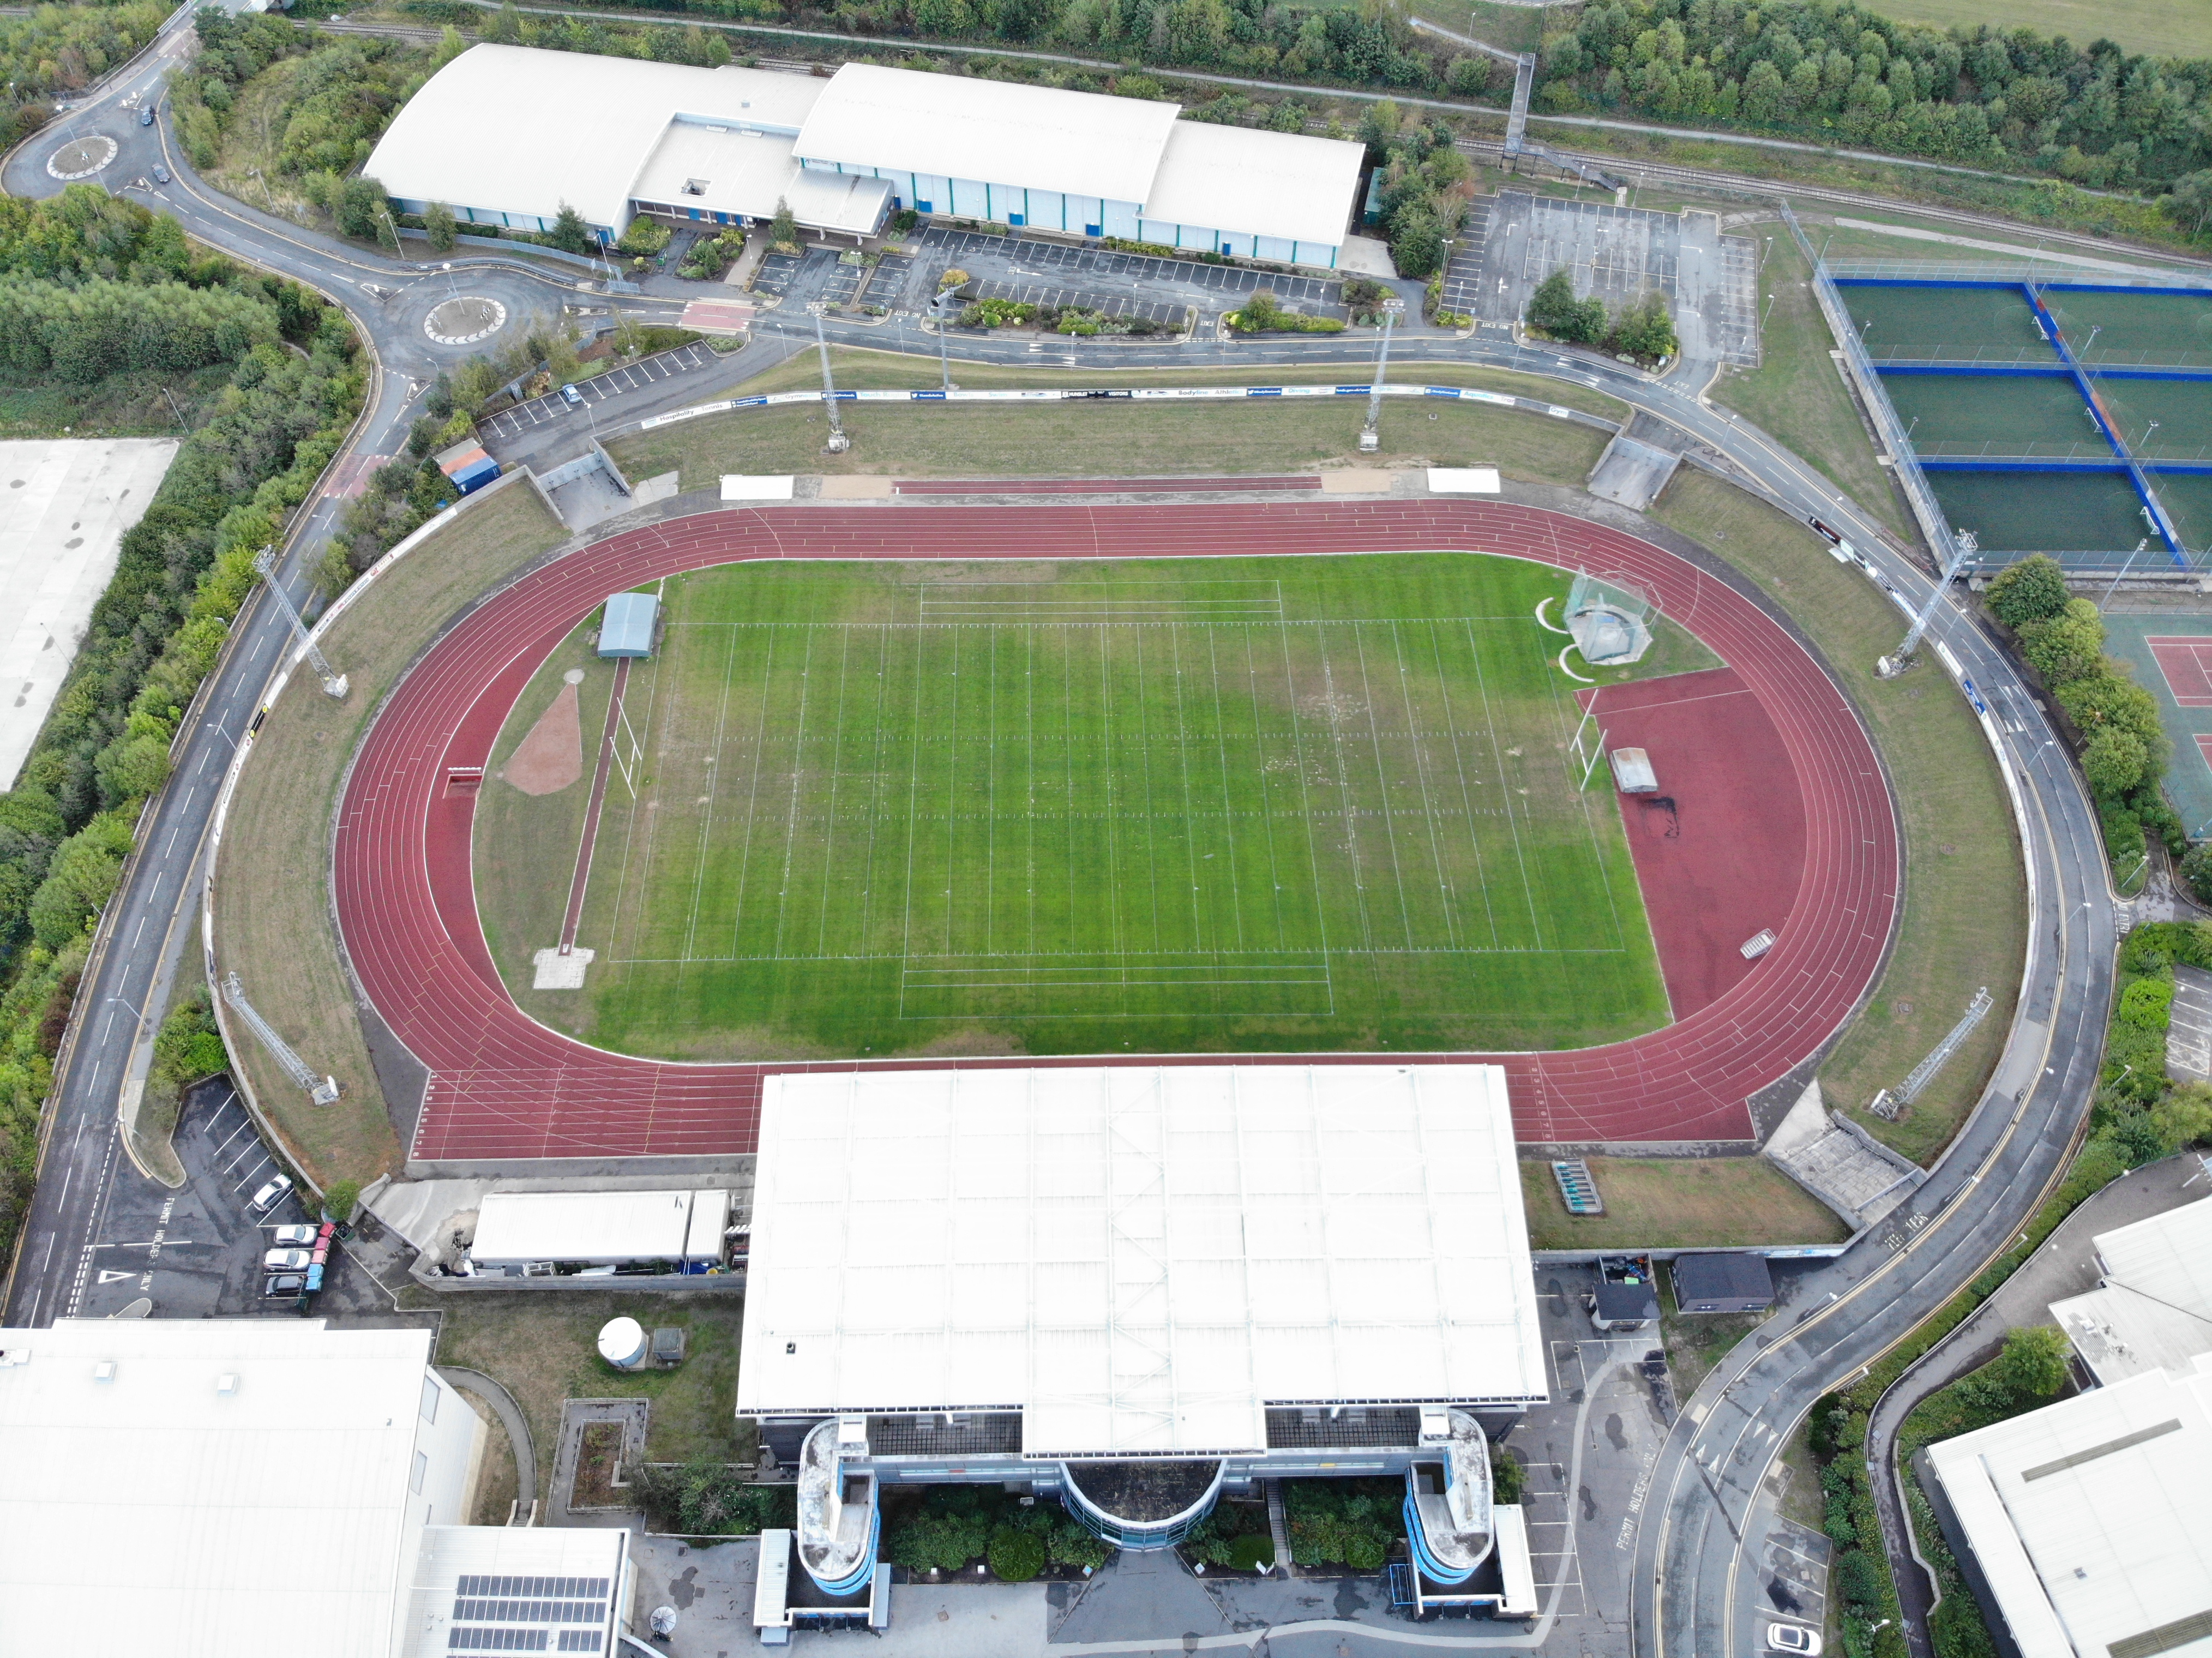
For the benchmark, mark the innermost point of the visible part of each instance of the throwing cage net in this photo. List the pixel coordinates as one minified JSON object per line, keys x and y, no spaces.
{"x":1610,"y":617}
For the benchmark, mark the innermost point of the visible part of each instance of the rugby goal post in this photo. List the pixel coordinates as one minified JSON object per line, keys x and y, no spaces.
{"x":1588,"y":747}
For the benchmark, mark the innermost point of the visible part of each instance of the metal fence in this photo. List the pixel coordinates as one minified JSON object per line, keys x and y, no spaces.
{"x":2044,"y":273}
{"x":1894,"y":436}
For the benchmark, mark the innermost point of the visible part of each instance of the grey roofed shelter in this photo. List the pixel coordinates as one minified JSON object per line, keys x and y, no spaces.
{"x":1624,"y":1306}
{"x":1722,"y":1282}
{"x":627,"y":630}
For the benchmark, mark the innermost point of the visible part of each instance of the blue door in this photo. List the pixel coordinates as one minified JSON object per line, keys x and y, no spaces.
{"x":1093,"y":230}
{"x":694,"y":213}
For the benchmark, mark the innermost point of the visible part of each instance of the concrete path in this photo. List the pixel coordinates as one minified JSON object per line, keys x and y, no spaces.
{"x":2064,"y":1266}
{"x":511,"y":1419}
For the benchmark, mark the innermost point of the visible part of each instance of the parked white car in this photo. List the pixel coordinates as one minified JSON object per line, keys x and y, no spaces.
{"x":286,"y":1261}
{"x":1793,"y":1638}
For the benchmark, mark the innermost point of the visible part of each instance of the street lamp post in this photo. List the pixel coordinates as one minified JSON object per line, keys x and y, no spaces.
{"x":1964,"y":546}
{"x":838,"y":441}
{"x":1371,"y":435}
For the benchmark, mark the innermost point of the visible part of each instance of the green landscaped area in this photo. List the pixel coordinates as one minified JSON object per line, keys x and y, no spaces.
{"x":1963,"y":923}
{"x":1796,"y":394}
{"x":1267,"y":805}
{"x":1123,"y":439}
{"x":2175,"y":28}
{"x":1678,"y":1203}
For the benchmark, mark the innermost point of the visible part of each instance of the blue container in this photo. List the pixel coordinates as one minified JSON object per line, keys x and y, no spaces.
{"x":475,"y":477}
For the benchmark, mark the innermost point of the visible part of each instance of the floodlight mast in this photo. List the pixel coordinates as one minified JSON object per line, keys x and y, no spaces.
{"x":334,"y":683}
{"x":1964,"y":546}
{"x":323,"y":1091}
{"x":1370,"y":436}
{"x":839,"y":443}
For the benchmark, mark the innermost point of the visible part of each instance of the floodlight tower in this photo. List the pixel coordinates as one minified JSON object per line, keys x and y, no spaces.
{"x":839,"y":443}
{"x":1964,"y":546}
{"x":1370,"y":436}
{"x":334,"y":683}
{"x":323,"y":1091}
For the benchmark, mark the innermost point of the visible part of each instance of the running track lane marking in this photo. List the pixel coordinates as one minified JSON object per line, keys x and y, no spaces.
{"x":502,"y":1085}
{"x":583,"y":875}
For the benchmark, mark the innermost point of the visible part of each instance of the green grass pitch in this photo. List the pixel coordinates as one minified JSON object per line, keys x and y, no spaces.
{"x":1147,"y":806}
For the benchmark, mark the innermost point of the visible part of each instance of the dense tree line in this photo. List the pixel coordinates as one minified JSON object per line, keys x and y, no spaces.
{"x":59,"y":50}
{"x":81,"y":334}
{"x":181,"y":573}
{"x":2097,"y":115}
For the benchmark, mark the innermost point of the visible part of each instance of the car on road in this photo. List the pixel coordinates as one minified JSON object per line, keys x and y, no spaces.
{"x":284,"y":1284}
{"x":1792,"y":1637}
{"x":571,"y":396}
{"x":161,"y":175}
{"x":293,"y":1237}
{"x":146,"y":116}
{"x":286,"y":1261}
{"x":271,"y":1195}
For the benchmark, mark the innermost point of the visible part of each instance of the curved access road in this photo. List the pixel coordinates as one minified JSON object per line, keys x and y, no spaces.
{"x":504,"y":1086}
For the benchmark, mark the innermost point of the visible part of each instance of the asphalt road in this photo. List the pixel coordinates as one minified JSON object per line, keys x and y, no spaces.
{"x":1696,"y":1575}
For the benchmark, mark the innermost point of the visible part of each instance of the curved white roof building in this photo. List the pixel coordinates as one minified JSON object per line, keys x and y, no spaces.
{"x":497,"y":135}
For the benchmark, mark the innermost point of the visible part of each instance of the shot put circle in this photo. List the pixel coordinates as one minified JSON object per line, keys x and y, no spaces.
{"x":466,"y":320}
{"x":81,"y":158}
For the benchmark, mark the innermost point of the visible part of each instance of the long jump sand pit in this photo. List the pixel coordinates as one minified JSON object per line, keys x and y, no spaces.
{"x":65,"y":505}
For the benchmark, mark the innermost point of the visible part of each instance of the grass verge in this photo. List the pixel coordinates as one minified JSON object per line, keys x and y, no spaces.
{"x":1118,"y":438}
{"x":1695,"y":1342}
{"x":1668,"y":1203}
{"x":1796,"y":395}
{"x":273,"y":921}
{"x":1963,"y":923}
{"x":2155,"y":26}
{"x":543,"y":1348}
{"x":148,"y":403}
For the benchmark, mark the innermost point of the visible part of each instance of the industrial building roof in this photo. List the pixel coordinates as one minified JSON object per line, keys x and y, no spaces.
{"x":523,"y":131}
{"x":1282,"y":185}
{"x":727,"y":170}
{"x":227,"y":1478}
{"x":1141,"y":1259}
{"x":1040,"y":137}
{"x":2091,"y":1518}
{"x":1725,"y":1275}
{"x":516,"y":1227}
{"x":554,"y":1578}
{"x":2153,"y":1309}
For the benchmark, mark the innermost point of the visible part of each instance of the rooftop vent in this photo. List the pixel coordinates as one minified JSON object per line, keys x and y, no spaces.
{"x":12,"y":1355}
{"x":104,"y":1372}
{"x":695,"y":186}
{"x":226,"y":1383}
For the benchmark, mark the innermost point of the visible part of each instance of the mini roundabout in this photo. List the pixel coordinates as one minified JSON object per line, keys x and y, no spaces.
{"x":82,"y":158}
{"x":1769,"y":871}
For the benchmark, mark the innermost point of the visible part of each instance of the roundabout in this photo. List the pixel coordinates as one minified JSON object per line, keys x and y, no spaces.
{"x":503,"y":1085}
{"x":464,"y":320}
{"x":81,"y":158}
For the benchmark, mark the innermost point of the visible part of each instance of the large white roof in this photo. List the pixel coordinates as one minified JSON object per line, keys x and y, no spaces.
{"x":2091,"y":1518}
{"x":1140,"y":1259}
{"x":566,"y":1574}
{"x":2154,"y":1308}
{"x":1261,"y":184}
{"x":151,"y":1512}
{"x":602,"y":1226}
{"x":522,"y":131}
{"x":994,"y":132}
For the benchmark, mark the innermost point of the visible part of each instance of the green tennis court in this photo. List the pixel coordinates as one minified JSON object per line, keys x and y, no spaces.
{"x":1946,"y":325}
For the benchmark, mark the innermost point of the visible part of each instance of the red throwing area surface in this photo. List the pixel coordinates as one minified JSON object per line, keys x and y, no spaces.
{"x":1720,"y":846}
{"x":2187,"y":662}
{"x":503,"y":1087}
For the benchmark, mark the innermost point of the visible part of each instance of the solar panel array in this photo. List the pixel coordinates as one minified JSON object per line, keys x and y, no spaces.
{"x":485,"y":1620}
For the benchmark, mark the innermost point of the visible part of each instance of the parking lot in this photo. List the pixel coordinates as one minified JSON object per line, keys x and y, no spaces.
{"x":197,"y":1252}
{"x":1510,"y":244}
{"x":600,"y":388}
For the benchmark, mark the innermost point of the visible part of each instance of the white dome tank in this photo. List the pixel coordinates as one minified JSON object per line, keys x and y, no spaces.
{"x":623,"y":1344}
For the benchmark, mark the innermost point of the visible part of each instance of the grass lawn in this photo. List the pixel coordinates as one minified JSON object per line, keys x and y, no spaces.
{"x":272,"y":908}
{"x":542,"y":1347}
{"x":1676,"y":1203}
{"x":1114,"y":438}
{"x":1964,"y":920}
{"x":131,"y":406}
{"x":1796,"y":394}
{"x":2160,"y":28}
{"x":1261,"y":804}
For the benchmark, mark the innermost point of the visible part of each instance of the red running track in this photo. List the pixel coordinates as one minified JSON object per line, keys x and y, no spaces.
{"x":504,"y":1087}
{"x":1168,"y":486}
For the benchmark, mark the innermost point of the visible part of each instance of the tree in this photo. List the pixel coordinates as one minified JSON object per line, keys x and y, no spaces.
{"x":1016,"y":1556}
{"x":1554,"y":308}
{"x":2069,"y":645}
{"x":2184,"y":1118}
{"x":2197,"y":870}
{"x":570,"y":234}
{"x":2029,"y":1372}
{"x":341,"y":1199}
{"x":359,"y":207}
{"x":2114,"y":762}
{"x":784,"y":233}
{"x":1645,"y":329}
{"x":2033,"y":590}
{"x":438,"y":220}
{"x":2190,"y":200}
